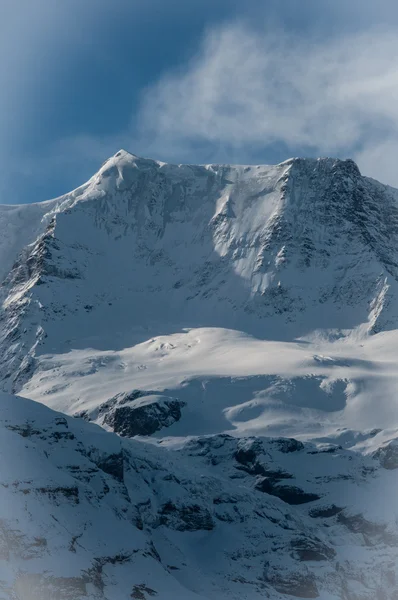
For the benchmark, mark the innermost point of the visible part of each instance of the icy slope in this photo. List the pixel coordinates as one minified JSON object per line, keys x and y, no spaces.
{"x":86,"y":514}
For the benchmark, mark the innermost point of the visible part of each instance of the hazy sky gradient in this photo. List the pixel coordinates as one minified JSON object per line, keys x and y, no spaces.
{"x":198,"y":81}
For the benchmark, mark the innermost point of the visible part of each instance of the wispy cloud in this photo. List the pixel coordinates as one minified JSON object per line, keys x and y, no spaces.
{"x":251,"y":88}
{"x":247,"y":95}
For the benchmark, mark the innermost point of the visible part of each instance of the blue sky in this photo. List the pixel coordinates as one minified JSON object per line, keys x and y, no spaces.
{"x":193,"y":81}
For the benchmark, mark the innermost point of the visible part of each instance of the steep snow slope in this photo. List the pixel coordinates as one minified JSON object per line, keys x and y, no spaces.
{"x":86,"y":514}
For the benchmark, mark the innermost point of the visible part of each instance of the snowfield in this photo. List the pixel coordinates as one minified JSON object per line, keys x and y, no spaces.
{"x":234,"y":383}
{"x":220,"y":345}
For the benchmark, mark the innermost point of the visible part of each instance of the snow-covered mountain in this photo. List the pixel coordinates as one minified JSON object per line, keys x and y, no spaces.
{"x":240,"y":323}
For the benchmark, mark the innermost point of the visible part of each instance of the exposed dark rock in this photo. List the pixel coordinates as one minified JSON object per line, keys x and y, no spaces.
{"x":248,"y":463}
{"x":299,"y":585}
{"x":287,"y":445}
{"x":112,"y":465}
{"x":121,"y":399}
{"x":186,"y":518}
{"x":58,"y":493}
{"x":245,"y":456}
{"x":40,"y":261}
{"x":269,"y":479}
{"x":288,"y":493}
{"x":141,"y":592}
{"x":143,"y":415}
{"x":62,"y":435}
{"x":26,"y":430}
{"x":325,"y":512}
{"x":306,"y":549}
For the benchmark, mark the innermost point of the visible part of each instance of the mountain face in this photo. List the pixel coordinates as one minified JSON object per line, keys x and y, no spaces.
{"x":233,"y":331}
{"x":272,"y":251}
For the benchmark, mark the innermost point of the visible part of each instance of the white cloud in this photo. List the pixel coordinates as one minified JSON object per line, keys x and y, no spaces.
{"x":246,"y":88}
{"x":379,"y":160}
{"x":244,"y":91}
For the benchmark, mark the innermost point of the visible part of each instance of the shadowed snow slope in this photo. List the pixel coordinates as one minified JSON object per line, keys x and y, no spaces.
{"x":87,"y":514}
{"x":199,"y":309}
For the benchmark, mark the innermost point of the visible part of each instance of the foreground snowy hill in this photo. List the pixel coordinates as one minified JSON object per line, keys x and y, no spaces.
{"x":86,"y":514}
{"x":241,"y":324}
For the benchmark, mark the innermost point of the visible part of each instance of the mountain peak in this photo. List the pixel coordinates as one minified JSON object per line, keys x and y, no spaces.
{"x":326,"y":161}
